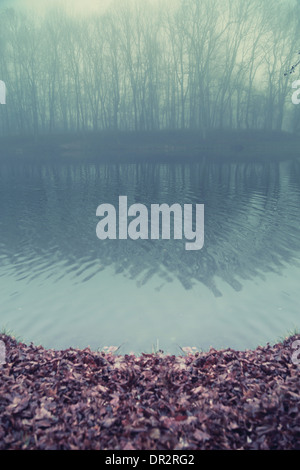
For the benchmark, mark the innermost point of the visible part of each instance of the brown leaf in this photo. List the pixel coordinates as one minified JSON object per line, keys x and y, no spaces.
{"x":155,"y":433}
{"x":201,"y":436}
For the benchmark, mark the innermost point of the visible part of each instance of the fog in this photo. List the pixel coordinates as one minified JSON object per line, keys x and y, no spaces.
{"x":41,"y":7}
{"x":148,"y":65}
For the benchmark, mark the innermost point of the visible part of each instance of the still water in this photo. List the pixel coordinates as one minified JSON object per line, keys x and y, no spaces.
{"x":61,"y":286}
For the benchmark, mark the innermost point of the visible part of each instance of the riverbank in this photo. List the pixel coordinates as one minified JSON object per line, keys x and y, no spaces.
{"x":80,"y":399}
{"x":161,"y":146}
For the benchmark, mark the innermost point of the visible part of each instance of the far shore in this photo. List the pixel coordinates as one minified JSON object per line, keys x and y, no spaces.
{"x":240,"y":145}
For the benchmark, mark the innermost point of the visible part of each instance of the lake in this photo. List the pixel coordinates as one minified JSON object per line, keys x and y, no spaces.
{"x":61,"y":286}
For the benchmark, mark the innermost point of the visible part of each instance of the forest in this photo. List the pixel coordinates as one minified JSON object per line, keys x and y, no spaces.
{"x":144,"y":66}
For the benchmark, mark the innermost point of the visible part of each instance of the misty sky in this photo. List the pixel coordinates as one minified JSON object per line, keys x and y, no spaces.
{"x":87,"y":6}
{"x":75,"y":6}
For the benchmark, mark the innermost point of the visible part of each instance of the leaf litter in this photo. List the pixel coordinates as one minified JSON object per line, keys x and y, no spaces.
{"x":80,"y":399}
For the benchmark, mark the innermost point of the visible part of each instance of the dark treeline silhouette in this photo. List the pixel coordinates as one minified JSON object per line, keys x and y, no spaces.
{"x":185,"y":64}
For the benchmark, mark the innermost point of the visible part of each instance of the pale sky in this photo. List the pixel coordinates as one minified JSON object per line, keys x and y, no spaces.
{"x":82,"y":7}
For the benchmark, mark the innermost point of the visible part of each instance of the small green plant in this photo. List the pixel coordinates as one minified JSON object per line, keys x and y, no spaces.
{"x":8,"y":332}
{"x":155,"y":348}
{"x":291,"y":332}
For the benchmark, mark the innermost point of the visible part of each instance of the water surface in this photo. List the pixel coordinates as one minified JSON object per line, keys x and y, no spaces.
{"x":61,"y":286}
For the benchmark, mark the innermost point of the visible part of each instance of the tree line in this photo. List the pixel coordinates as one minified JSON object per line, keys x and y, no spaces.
{"x":143,"y":66}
